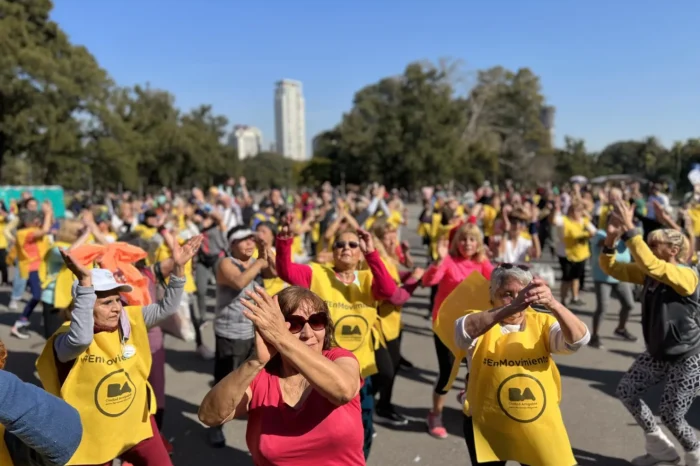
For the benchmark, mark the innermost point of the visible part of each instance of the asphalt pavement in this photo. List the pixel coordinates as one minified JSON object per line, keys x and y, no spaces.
{"x":600,"y":429}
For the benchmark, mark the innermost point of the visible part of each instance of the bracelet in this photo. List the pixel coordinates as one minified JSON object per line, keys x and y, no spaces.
{"x":629,"y":234}
{"x":608,"y":251}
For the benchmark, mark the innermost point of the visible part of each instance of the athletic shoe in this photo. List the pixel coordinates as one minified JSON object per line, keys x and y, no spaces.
{"x":659,"y":449}
{"x":435,"y":427}
{"x":624,"y":334}
{"x":595,"y":342}
{"x":19,"y":332}
{"x":390,"y":416}
{"x":216,"y":437}
{"x":205,"y":353}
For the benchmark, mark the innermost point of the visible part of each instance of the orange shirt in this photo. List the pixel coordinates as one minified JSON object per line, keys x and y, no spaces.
{"x":32,"y":250}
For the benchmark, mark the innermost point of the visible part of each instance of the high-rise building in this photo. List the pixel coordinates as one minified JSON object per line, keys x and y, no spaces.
{"x":247,"y":140}
{"x":290,"y":120}
{"x":547,"y":117}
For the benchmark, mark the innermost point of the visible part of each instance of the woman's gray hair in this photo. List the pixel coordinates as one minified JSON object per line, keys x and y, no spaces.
{"x":501,"y":275}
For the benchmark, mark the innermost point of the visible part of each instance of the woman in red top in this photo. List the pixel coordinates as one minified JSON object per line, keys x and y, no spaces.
{"x":466,"y":254}
{"x":300,"y":395}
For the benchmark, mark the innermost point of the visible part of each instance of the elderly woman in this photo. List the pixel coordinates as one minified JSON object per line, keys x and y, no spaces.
{"x":352,"y":296}
{"x":300,"y":394}
{"x":513,"y":386}
{"x":671,"y":328}
{"x":456,"y":261}
{"x":99,"y":363}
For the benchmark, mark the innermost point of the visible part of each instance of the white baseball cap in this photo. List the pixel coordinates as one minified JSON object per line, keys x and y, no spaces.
{"x":240,"y":234}
{"x":103,"y":280}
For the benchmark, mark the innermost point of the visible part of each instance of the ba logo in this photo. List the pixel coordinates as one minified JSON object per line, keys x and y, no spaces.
{"x":351,"y":332}
{"x":515,"y":394}
{"x":522,"y":398}
{"x":115,"y":393}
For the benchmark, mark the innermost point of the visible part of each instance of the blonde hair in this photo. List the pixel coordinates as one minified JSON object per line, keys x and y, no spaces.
{"x":673,"y":238}
{"x":469,"y":230}
{"x":69,"y":231}
{"x":379,"y":230}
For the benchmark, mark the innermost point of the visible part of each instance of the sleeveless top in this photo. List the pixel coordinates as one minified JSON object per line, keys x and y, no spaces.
{"x":229,"y":321}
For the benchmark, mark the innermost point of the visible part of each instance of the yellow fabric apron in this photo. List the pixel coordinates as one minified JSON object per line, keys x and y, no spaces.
{"x":274,"y":285}
{"x":64,"y":282}
{"x":389,"y":314}
{"x":575,"y":251}
{"x":514,"y":393}
{"x":353,"y":312}
{"x":23,"y":259}
{"x":111,"y":393}
{"x":5,"y":459}
{"x":470,"y":296}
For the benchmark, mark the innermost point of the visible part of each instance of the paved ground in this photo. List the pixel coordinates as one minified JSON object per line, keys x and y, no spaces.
{"x":601,"y":431}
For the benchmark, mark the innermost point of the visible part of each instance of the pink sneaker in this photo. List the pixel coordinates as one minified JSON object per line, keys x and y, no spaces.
{"x":435,"y":427}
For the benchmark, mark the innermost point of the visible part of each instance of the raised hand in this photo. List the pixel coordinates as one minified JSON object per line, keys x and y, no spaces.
{"x":366,"y":242}
{"x":81,"y":272}
{"x":183,"y":254}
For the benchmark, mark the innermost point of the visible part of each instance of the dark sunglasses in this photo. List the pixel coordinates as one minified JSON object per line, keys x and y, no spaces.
{"x":508,"y":266}
{"x":350,"y":244}
{"x":316,"y":321}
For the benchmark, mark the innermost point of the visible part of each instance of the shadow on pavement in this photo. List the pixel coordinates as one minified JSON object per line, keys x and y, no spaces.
{"x":452,"y":419}
{"x":422,"y":331}
{"x":188,"y":361}
{"x":419,"y":375}
{"x":21,"y":364}
{"x":607,"y":381}
{"x":585,"y":458}
{"x":189,"y":438}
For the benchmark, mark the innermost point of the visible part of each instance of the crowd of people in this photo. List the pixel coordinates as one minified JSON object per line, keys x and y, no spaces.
{"x":307,"y":323}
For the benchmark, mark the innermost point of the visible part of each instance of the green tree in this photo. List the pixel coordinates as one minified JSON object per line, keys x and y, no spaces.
{"x":46,"y":86}
{"x":268,"y":170}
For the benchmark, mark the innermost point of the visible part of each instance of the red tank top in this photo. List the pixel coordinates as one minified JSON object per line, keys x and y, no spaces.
{"x":279,"y":435}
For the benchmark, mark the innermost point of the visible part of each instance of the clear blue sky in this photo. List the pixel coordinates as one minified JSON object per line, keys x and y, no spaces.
{"x":614,"y":69}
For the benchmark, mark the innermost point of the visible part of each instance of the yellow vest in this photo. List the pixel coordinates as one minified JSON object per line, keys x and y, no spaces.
{"x":3,"y":238}
{"x":163,"y":252}
{"x":694,"y":213}
{"x":274,"y":285}
{"x":64,"y":282}
{"x":23,"y":259}
{"x":111,"y":393}
{"x":5,"y":459}
{"x":575,"y":251}
{"x":353,"y":312}
{"x":389,"y":314}
{"x":488,"y":220}
{"x":603,"y":217}
{"x":514,"y":393}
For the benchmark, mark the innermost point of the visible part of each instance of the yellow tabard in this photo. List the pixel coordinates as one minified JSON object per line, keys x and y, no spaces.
{"x":5,"y":459}
{"x":514,"y":392}
{"x":389,"y":314}
{"x":110,"y":392}
{"x":274,"y":285}
{"x":353,"y":312}
{"x":576,"y":250}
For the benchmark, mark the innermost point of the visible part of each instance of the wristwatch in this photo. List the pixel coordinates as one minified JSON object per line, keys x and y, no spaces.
{"x":608,"y":251}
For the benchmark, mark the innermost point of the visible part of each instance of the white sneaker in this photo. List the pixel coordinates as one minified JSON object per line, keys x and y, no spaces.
{"x":659,"y":450}
{"x":692,"y":458}
{"x":205,"y":353}
{"x":13,"y":306}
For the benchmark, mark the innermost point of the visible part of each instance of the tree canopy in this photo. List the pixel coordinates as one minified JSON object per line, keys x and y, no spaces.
{"x":63,"y":120}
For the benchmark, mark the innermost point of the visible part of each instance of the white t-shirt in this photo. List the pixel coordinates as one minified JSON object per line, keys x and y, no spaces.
{"x":516,"y":252}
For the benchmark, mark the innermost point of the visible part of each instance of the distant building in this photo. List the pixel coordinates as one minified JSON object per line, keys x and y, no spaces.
{"x":273,"y":147}
{"x":547,"y":118}
{"x":290,"y":120}
{"x":247,"y":140}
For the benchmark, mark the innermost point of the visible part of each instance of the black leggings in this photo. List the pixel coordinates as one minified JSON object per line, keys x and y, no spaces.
{"x":471,"y":447}
{"x":3,"y":266}
{"x":387,"y":365}
{"x":52,"y":319}
{"x":445,"y":362}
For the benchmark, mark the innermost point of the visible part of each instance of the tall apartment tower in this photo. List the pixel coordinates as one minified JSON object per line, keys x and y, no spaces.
{"x":547,"y":117}
{"x":247,"y":140}
{"x":290,"y":119}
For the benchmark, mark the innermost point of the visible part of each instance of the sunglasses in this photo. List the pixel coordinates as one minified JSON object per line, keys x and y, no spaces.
{"x":317,"y":322}
{"x":508,"y":266}
{"x":350,"y":244}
